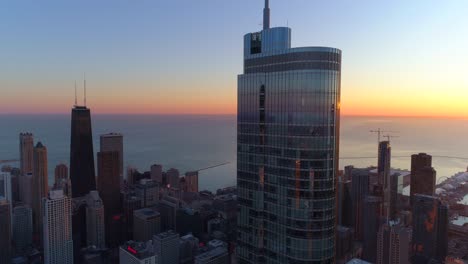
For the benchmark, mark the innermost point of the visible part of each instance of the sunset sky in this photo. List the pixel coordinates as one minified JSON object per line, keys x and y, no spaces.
{"x":400,"y":57}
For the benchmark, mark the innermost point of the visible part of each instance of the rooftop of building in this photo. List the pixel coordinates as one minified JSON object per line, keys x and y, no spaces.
{"x":213,"y":253}
{"x":167,"y":234}
{"x":112,"y":134}
{"x":357,"y":261}
{"x":146,"y":213}
{"x":140,"y":250}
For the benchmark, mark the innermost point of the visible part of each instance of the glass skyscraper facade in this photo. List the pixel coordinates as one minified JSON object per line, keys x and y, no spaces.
{"x":287,"y":150}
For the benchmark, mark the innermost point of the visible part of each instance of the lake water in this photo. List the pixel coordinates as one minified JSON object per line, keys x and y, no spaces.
{"x":194,"y":142}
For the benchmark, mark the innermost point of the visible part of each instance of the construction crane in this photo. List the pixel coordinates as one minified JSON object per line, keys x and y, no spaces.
{"x":379,"y":133}
{"x":389,"y":137}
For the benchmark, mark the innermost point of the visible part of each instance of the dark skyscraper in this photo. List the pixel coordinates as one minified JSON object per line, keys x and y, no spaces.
{"x":5,"y":231}
{"x":430,"y":227}
{"x":384,"y":159}
{"x":82,"y":173}
{"x":359,"y":191}
{"x":371,"y":223}
{"x":423,"y":176}
{"x":40,"y":187}
{"x":108,"y":182}
{"x":287,"y":151}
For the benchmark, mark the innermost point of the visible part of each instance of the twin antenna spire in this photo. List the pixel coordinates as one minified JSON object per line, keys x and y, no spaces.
{"x":266,"y":15}
{"x":84,"y":97}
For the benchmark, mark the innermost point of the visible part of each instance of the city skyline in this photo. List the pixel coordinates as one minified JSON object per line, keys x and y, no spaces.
{"x":136,"y":64}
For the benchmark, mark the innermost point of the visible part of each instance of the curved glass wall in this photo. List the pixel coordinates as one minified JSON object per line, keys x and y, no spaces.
{"x":287,"y":157}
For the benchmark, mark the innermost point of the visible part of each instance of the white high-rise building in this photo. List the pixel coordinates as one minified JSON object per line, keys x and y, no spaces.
{"x":22,"y":226}
{"x":95,"y":231}
{"x":57,"y":226}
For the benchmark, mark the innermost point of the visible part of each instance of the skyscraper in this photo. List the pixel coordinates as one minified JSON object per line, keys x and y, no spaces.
{"x":25,"y":186}
{"x":166,"y":247}
{"x":393,"y":242}
{"x":156,"y":173}
{"x":191,"y":181}
{"x":146,"y":223}
{"x":172,"y":178}
{"x":61,"y":172}
{"x":95,"y":233}
{"x":371,"y":223}
{"x":114,"y":142}
{"x":40,"y":186}
{"x":108,"y":182}
{"x":58,"y":243}
{"x":423,"y":176}
{"x":383,"y":164}
{"x":287,"y":150}
{"x":26,"y":147}
{"x":430,"y":228}
{"x":148,"y":191}
{"x":359,"y":191}
{"x":82,"y":173}
{"x":22,"y":227}
{"x":5,"y":231}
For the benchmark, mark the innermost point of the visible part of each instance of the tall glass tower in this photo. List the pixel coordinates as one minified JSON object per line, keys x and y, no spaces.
{"x":82,"y":173}
{"x":287,"y":150}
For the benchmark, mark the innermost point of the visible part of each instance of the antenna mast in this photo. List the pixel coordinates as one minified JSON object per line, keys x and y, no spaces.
{"x":85,"y":89}
{"x":76,"y":102}
{"x":266,"y":15}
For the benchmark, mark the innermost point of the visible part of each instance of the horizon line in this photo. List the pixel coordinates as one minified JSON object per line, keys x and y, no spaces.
{"x":223,"y":114}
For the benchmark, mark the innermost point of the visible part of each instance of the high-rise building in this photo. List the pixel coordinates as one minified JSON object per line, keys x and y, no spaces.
{"x":393,"y":242}
{"x":166,"y":247}
{"x":114,"y":142}
{"x":40,"y":187}
{"x":168,"y":207}
{"x":95,"y":233}
{"x":61,"y":172}
{"x":62,"y":180}
{"x":108,"y":182}
{"x":173,"y":178}
{"x":345,"y":203}
{"x":26,"y":147}
{"x":430,"y":228}
{"x":5,"y":231}
{"x":22,"y":227}
{"x":287,"y":149}
{"x":136,"y":253}
{"x":130,"y":204}
{"x":57,"y":221}
{"x":344,"y":242}
{"x":156,"y":173}
{"x":191,"y":181}
{"x":146,"y":223}
{"x":5,"y":186}
{"x":82,"y":173}
{"x":359,"y":191}
{"x":423,"y":176}
{"x":371,"y":223}
{"x":25,"y":186}
{"x":188,"y":248}
{"x":383,"y":164}
{"x":148,"y":191}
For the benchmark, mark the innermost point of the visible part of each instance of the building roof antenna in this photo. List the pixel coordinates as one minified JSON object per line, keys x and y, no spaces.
{"x":76,"y":102}
{"x":84,"y":90}
{"x":266,"y":15}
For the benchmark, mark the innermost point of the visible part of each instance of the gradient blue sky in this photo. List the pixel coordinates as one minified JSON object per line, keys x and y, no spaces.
{"x":183,"y":56}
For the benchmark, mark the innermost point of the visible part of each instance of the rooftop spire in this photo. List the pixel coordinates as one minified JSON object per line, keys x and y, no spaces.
{"x":84,"y":90}
{"x":266,"y":15}
{"x":76,"y":102}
